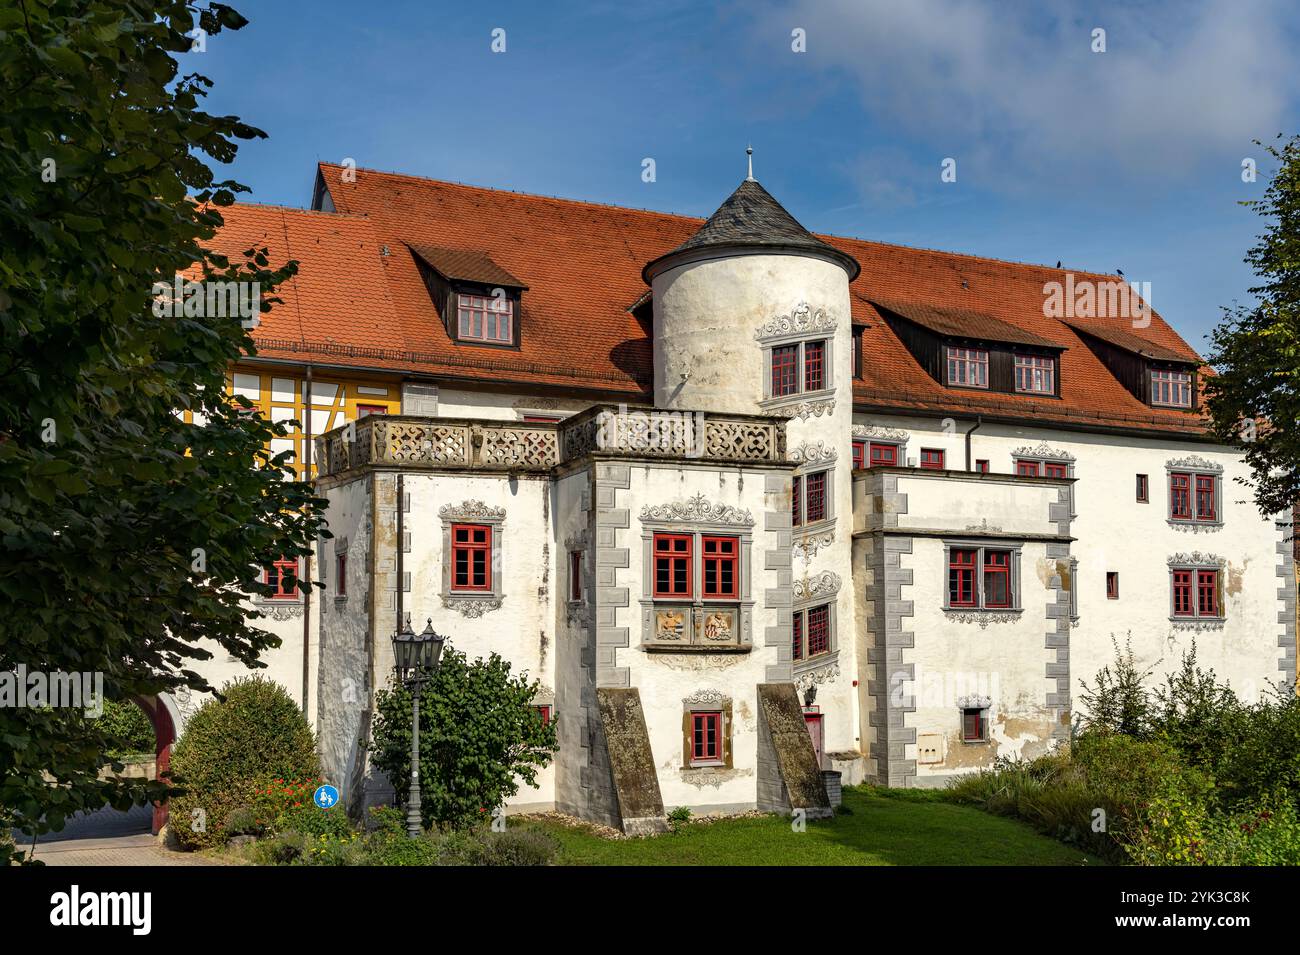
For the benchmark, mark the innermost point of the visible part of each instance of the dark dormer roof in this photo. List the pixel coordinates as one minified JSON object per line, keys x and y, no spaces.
{"x":465,"y":265}
{"x":1112,"y":334}
{"x":965,"y":323}
{"x":751,"y":218}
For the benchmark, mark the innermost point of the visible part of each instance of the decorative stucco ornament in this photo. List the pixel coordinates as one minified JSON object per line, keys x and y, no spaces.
{"x":698,"y":509}
{"x":473,"y":510}
{"x":802,"y":319}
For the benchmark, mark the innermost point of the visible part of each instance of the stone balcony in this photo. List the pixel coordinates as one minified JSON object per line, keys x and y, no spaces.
{"x":423,"y":443}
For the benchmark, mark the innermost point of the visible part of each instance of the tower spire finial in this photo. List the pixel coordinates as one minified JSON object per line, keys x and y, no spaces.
{"x":749,"y":151}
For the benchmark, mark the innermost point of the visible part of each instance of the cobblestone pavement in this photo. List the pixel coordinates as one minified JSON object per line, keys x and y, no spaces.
{"x":108,"y":837}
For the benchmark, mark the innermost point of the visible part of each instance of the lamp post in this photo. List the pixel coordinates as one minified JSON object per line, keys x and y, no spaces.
{"x":416,"y":659}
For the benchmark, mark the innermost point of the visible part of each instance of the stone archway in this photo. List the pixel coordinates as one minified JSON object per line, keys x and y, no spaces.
{"x":165,"y":718}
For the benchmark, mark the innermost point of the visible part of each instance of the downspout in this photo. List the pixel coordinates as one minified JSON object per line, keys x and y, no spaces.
{"x":401,"y":540}
{"x":306,"y":598}
{"x":979,"y":420}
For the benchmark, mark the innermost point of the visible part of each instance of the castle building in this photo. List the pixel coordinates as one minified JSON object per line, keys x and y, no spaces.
{"x":759,"y":509}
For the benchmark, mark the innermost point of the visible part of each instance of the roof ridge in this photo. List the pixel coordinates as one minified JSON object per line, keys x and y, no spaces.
{"x":283,"y":208}
{"x":702,"y":219}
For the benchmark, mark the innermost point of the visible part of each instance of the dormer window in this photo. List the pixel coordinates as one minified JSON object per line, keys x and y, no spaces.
{"x":485,"y":318}
{"x":968,"y":367}
{"x":1172,"y":389}
{"x":1035,"y":375}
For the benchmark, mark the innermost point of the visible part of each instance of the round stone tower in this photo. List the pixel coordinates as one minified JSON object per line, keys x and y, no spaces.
{"x":752,"y":316}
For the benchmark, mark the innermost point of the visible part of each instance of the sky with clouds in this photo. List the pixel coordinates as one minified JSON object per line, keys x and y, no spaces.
{"x":1125,"y":159}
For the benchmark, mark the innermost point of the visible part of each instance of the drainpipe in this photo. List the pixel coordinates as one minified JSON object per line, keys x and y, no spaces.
{"x":401,"y":540}
{"x":306,"y":591}
{"x":979,"y":420}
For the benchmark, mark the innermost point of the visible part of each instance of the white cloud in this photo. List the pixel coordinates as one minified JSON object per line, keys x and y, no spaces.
{"x":1014,"y":91}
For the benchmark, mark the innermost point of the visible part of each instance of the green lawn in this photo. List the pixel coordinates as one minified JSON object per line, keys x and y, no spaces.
{"x":881,"y":830}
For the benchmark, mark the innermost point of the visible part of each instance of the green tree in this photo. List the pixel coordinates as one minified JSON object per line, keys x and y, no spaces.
{"x":128,"y":538}
{"x":1254,"y":400}
{"x":480,"y":735}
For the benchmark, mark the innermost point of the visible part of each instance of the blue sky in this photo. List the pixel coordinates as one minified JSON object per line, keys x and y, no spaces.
{"x":1125,"y":159}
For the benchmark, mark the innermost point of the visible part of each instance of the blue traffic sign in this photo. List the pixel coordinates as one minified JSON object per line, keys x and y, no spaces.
{"x":326,"y":796}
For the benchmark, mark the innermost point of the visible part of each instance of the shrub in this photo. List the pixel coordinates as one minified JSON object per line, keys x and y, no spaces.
{"x":482,"y":847}
{"x":255,"y":732}
{"x":128,"y":730}
{"x":282,"y":849}
{"x":1118,"y":702}
{"x":286,"y":804}
{"x":241,"y":822}
{"x":679,"y":817}
{"x":480,"y":736}
{"x":388,"y":843}
{"x":1269,"y":835}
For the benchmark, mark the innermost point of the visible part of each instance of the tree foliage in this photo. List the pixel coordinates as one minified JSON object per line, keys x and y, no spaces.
{"x":480,"y":735}
{"x":1254,"y":400}
{"x":128,"y":538}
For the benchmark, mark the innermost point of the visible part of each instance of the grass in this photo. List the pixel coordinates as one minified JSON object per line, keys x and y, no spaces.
{"x":907,"y":828}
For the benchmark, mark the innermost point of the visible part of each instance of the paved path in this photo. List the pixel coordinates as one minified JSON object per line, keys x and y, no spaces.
{"x":108,"y":837}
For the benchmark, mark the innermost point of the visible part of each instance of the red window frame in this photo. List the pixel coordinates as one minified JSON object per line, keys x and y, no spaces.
{"x":961,"y":577}
{"x":575,"y":575}
{"x":367,"y":410}
{"x":706,"y":737}
{"x":1183,"y":594}
{"x":859,"y":454}
{"x":1180,"y":496}
{"x":1143,"y":489}
{"x":815,"y":497}
{"x":1035,"y":375}
{"x":1053,"y":470}
{"x":1205,"y":494}
{"x":1207,"y":593}
{"x":972,"y":725}
{"x":1028,"y":468}
{"x":471,"y":557}
{"x":814,"y":366}
{"x":720,"y":575}
{"x":483,"y":318}
{"x":884,"y":455}
{"x":982,"y":465}
{"x":796,"y":627}
{"x":274,"y":576}
{"x":341,"y":575}
{"x":785,"y":371}
{"x":819,"y":630}
{"x":1112,"y":585}
{"x":544,"y":711}
{"x":997,"y":564}
{"x":672,"y":565}
{"x":796,"y":501}
{"x":1171,"y":389}
{"x":932,"y":458}
{"x":968,"y":367}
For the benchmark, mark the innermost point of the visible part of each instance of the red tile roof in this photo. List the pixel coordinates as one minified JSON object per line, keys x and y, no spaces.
{"x":582,"y":262}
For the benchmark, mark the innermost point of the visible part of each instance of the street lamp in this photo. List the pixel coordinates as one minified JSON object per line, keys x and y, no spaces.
{"x":416,"y":657}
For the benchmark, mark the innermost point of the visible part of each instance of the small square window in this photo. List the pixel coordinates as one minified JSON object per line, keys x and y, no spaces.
{"x":1028,"y":468}
{"x":1112,"y":585}
{"x":968,"y":367}
{"x":982,"y":465}
{"x":544,"y":711}
{"x":883,"y":455}
{"x":471,"y":557}
{"x":932,"y":458}
{"x":1171,"y":389}
{"x":485,"y":318}
{"x":706,"y":738}
{"x":1035,"y":375}
{"x":974,"y":725}
{"x":364,"y":411}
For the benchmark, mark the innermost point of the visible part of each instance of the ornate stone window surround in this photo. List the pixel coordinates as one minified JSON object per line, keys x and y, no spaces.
{"x":706,"y":701}
{"x":478,"y":602}
{"x":823,"y":588}
{"x":1195,"y":561}
{"x":979,"y":613}
{"x":280,"y":608}
{"x":1048,"y":455}
{"x":690,"y":519}
{"x":1194,"y":466}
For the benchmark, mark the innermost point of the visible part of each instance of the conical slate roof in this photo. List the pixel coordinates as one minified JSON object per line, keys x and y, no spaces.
{"x":751,"y":218}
